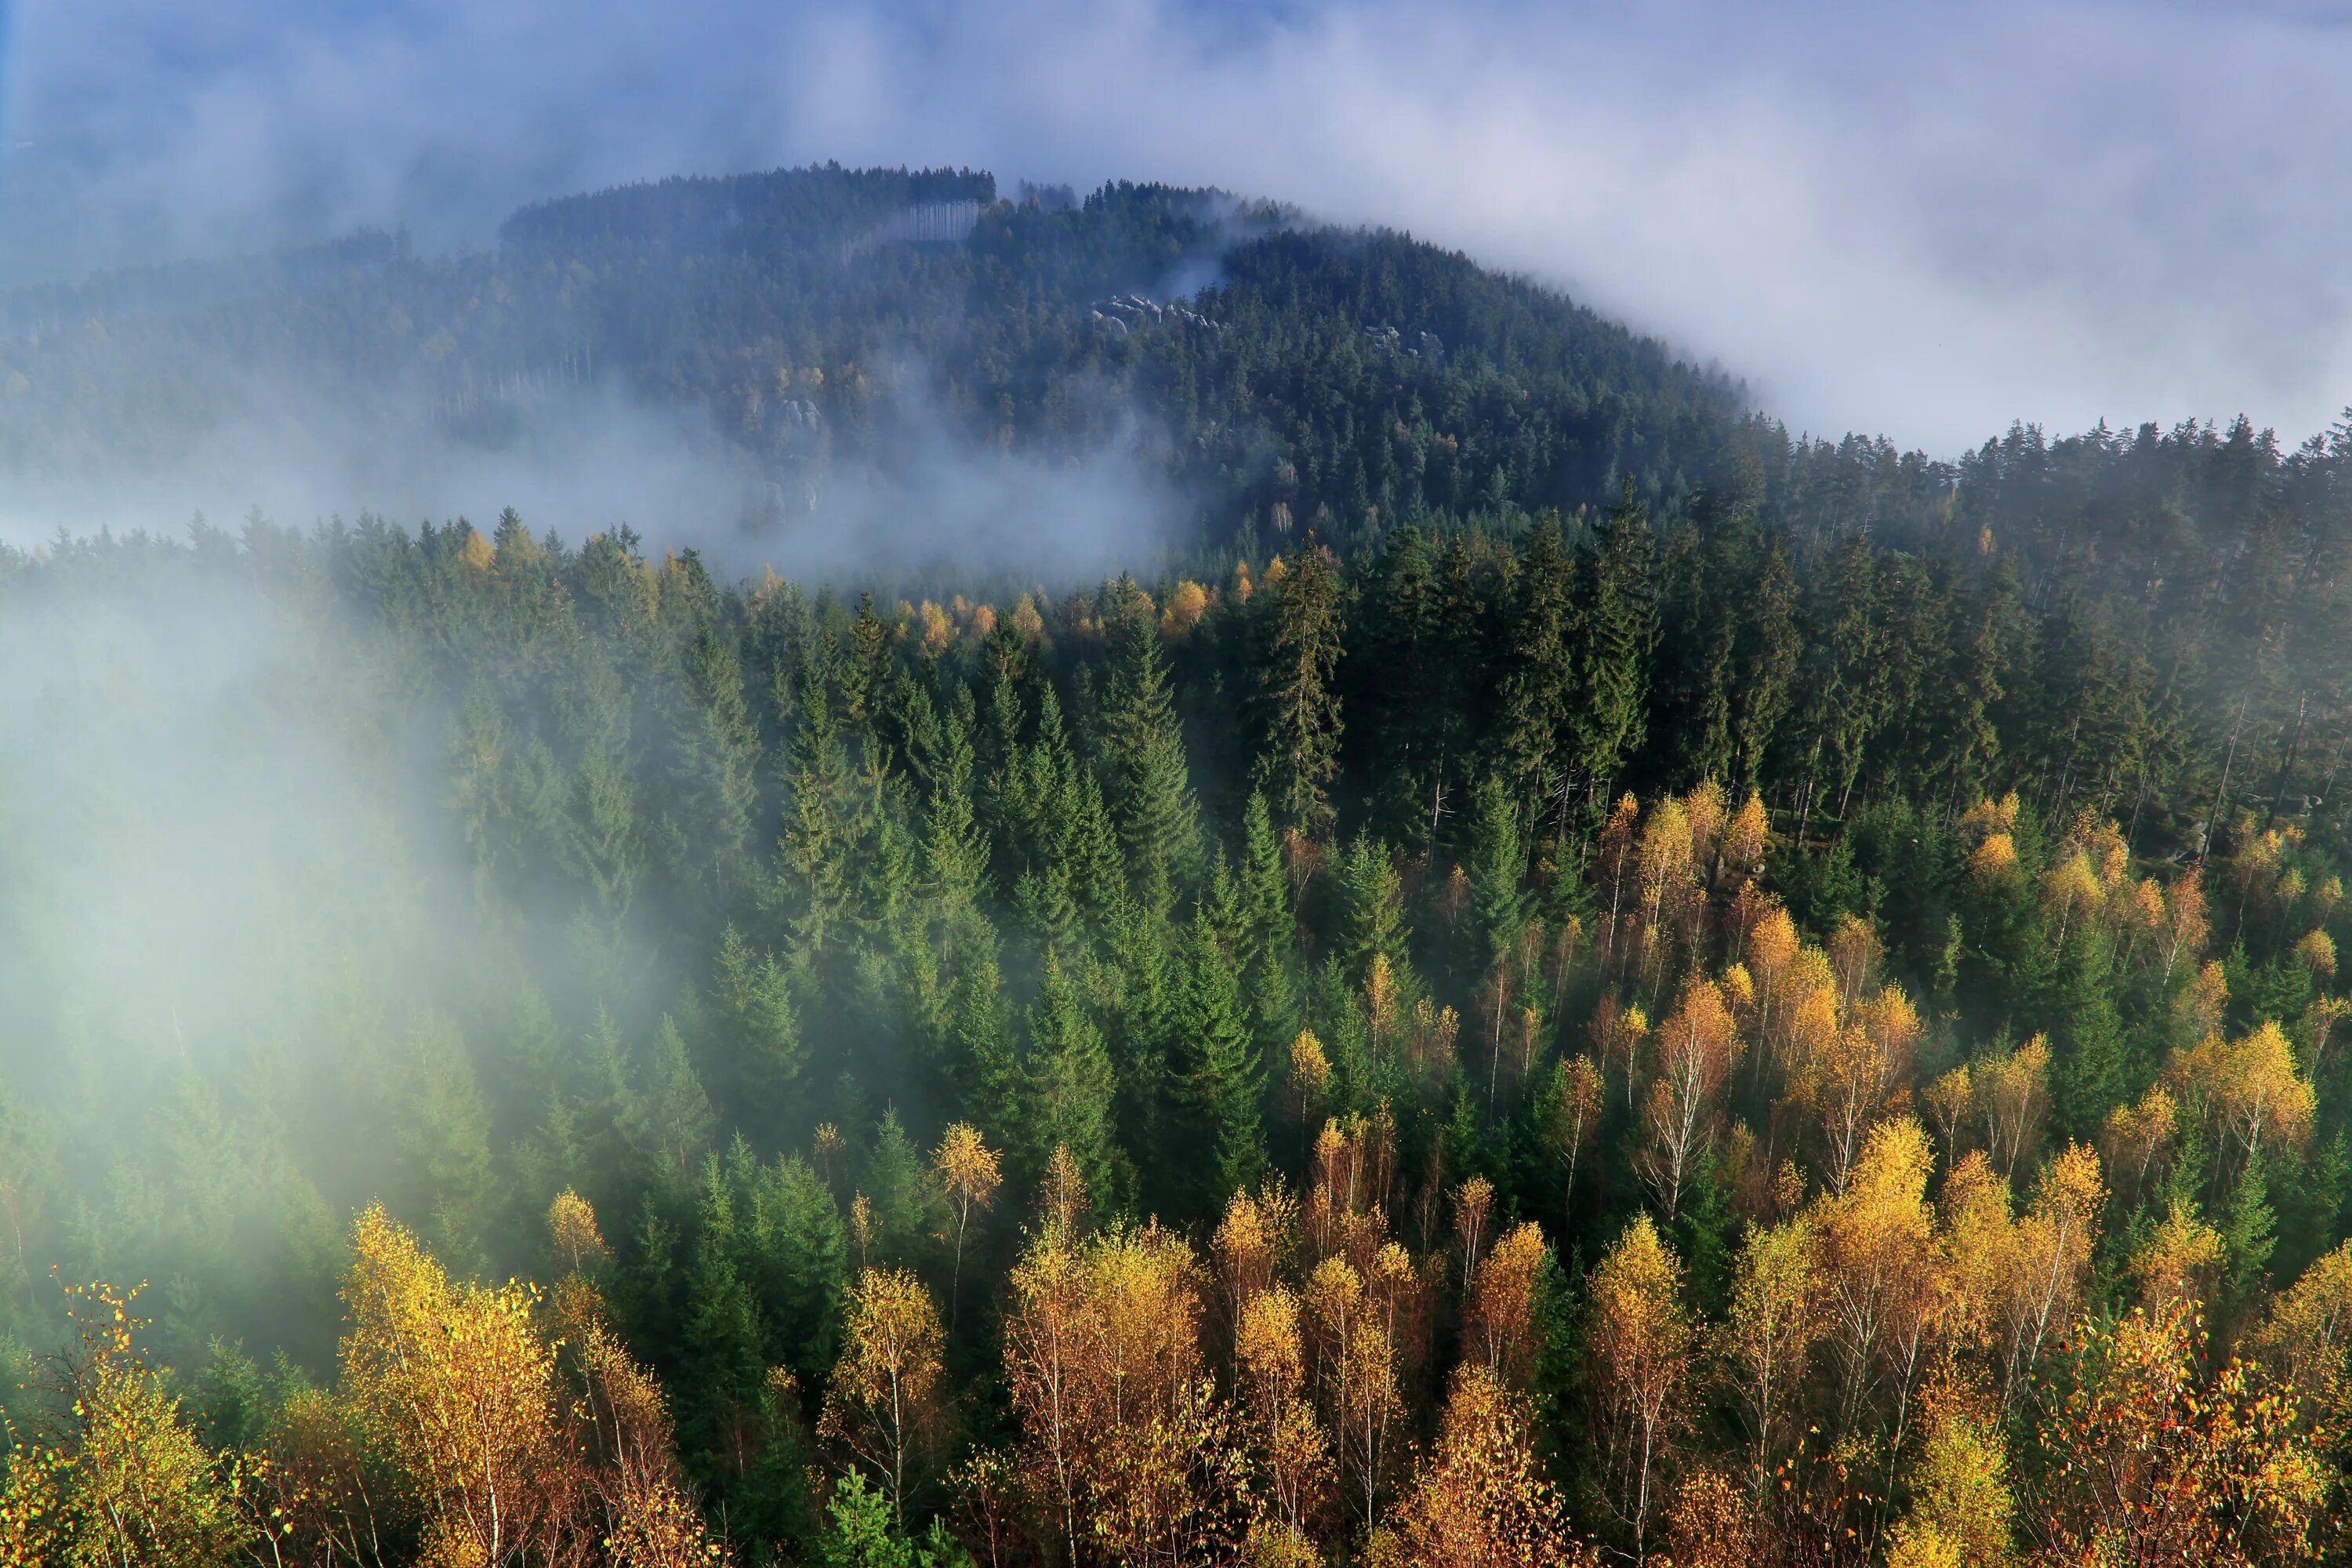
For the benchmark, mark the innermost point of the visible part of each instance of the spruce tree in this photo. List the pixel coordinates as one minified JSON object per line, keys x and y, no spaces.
{"x":1071,"y":1087}
{"x":1265,"y":930}
{"x":1299,"y":657}
{"x":716,"y":763}
{"x":1226,"y":1072}
{"x":723,"y":1359}
{"x":1146,"y":783}
{"x":1617,"y":630}
{"x":759,"y":1030}
{"x":1533,"y":689}
{"x":1371,"y":920}
{"x":1498,"y":905}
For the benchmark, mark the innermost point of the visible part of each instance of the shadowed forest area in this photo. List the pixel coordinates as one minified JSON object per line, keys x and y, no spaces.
{"x":1565,"y":976}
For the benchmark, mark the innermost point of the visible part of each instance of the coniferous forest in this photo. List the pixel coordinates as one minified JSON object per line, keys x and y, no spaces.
{"x":1565,"y":977}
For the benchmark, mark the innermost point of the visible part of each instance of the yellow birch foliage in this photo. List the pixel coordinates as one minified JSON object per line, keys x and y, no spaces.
{"x":1961,"y":1507}
{"x":2305,"y":1337}
{"x":2011,"y":1093}
{"x":884,"y":1401}
{"x":1877,"y":1259}
{"x":2137,"y":1137}
{"x":1713,"y":1523}
{"x":2176,"y":1265}
{"x":571,"y":1227}
{"x":1697,"y":1048}
{"x":2248,"y":1090}
{"x":1768,"y":1337}
{"x":1355,"y":1357}
{"x":1501,"y":1320}
{"x":969,"y":1171}
{"x":457,"y":1390}
{"x":2051,"y":1256}
{"x":1744,"y":840}
{"x":1123,"y":1441}
{"x":1295,"y":1453}
{"x":1478,"y":1501}
{"x":1639,"y":1342}
{"x":1253,"y":1244}
{"x":123,"y":1482}
{"x":2156,"y":1462}
{"x":649,"y":1520}
{"x":1577,"y":1089}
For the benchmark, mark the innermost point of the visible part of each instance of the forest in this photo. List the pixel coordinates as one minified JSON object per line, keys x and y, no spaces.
{"x":1574,"y":979}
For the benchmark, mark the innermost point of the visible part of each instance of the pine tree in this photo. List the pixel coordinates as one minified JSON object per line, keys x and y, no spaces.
{"x":1765,"y":666}
{"x":899,"y":1192}
{"x":1265,"y":928}
{"x":813,"y":884}
{"x":675,"y":1122}
{"x":1498,"y":904}
{"x":1397,"y":675}
{"x":722,"y":1359}
{"x":800,"y":1262}
{"x":955,"y":849}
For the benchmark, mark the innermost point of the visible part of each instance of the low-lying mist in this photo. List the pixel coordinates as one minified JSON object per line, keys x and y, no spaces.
{"x":925,"y":497}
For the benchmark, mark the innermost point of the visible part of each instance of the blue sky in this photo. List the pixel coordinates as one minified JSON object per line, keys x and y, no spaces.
{"x":1923,"y":220}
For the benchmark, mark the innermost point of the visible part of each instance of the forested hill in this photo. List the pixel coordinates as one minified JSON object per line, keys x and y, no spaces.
{"x":1286,"y":374}
{"x":1575,"y":979}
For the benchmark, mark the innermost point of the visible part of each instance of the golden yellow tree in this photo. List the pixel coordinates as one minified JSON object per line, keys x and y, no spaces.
{"x":1697,"y":1050}
{"x":2051,"y":1256}
{"x":1768,"y":1337}
{"x":883,"y":1403}
{"x":2156,"y":1463}
{"x":1357,"y":1362}
{"x":1848,"y":1076}
{"x":1050,"y":1341}
{"x":1639,"y":1341}
{"x":1962,"y":1508}
{"x":1713,"y":1523}
{"x":455,"y":1388}
{"x":2303,"y":1339}
{"x":1295,"y":1452}
{"x":1877,"y":1260}
{"x":1501,"y":1317}
{"x":572,"y":1231}
{"x":1252,"y":1245}
{"x":650,"y":1521}
{"x":1575,"y":1114}
{"x":2137,"y":1137}
{"x":2176,"y":1263}
{"x":2249,"y":1090}
{"x":1478,"y":1500}
{"x":968,"y":1169}
{"x":120,"y":1480}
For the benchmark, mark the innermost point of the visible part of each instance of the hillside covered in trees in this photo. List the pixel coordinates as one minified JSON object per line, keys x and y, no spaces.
{"x":1602,"y":985}
{"x":1338,"y":380}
